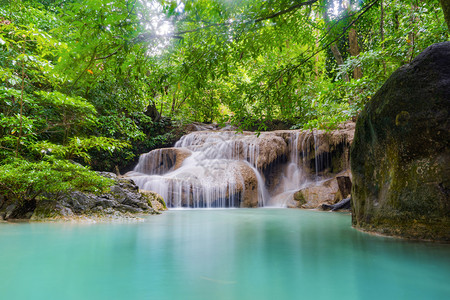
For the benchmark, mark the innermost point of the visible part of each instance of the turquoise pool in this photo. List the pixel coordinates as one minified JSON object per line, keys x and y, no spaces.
{"x":218,"y":254}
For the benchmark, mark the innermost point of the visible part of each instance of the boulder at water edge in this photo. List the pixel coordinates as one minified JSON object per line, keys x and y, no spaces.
{"x":324,"y":193}
{"x":122,"y":201}
{"x":400,"y":154}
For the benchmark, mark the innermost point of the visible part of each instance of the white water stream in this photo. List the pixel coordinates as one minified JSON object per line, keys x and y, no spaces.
{"x":223,"y":169}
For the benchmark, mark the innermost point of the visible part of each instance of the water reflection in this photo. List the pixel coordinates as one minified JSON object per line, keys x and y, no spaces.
{"x":219,"y":254}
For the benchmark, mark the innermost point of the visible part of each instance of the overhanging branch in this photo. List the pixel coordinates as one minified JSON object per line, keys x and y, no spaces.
{"x":271,"y":16}
{"x":344,"y":30}
{"x":288,"y":10}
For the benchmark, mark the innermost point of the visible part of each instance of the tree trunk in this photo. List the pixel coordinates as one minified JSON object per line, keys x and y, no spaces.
{"x":334,"y":49}
{"x":174,"y":102}
{"x":22,"y":88}
{"x":337,"y":55}
{"x":445,"y":4}
{"x":354,"y":50}
{"x":152,"y":111}
{"x":316,"y":64}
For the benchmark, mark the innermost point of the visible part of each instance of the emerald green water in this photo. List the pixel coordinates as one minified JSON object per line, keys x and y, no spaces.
{"x":218,"y":254}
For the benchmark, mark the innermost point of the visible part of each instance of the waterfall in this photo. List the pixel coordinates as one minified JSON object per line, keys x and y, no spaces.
{"x":218,"y":169}
{"x":292,"y":177}
{"x":223,"y":145}
{"x":228,"y":169}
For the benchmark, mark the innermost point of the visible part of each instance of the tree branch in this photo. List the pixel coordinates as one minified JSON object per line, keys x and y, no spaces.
{"x":274,"y":15}
{"x":202,"y":28}
{"x":111,"y":54}
{"x":85,"y":69}
{"x":344,"y":30}
{"x":288,"y":10}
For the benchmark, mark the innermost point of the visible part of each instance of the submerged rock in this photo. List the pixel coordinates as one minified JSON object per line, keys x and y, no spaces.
{"x":400,"y":157}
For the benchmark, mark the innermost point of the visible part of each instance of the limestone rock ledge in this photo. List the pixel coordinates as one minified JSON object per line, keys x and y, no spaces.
{"x":123,"y":201}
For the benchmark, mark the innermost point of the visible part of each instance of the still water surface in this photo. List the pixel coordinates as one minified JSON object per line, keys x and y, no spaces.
{"x":218,"y":254}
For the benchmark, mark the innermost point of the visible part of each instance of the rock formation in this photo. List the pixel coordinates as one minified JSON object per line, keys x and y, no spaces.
{"x":205,"y":183}
{"x":260,"y":151}
{"x":160,"y":161}
{"x":323,"y":157}
{"x":323,"y":193}
{"x":217,"y":168}
{"x":123,"y":200}
{"x":400,"y":157}
{"x":322,"y":152}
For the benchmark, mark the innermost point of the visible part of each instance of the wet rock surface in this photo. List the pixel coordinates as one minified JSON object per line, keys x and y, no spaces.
{"x":341,"y":205}
{"x":217,"y":168}
{"x":321,"y":152}
{"x":316,"y":194}
{"x":157,"y":202}
{"x":160,"y":161}
{"x":323,"y":193}
{"x":219,"y":183}
{"x":400,"y":157}
{"x":259,"y":150}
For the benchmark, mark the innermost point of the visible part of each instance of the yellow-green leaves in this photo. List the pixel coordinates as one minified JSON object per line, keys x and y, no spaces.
{"x":78,"y":147}
{"x":23,"y":180}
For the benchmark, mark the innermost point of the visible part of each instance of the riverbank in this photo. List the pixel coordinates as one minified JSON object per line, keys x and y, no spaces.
{"x":123,"y":201}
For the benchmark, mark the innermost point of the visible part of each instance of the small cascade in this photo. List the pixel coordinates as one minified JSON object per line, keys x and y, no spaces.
{"x":199,"y":183}
{"x":316,"y":154}
{"x":224,"y":145}
{"x":218,"y":169}
{"x":212,"y":168}
{"x":160,"y":161}
{"x":293,"y":176}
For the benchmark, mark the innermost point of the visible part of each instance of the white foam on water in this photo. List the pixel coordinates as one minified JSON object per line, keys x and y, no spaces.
{"x":218,"y":171}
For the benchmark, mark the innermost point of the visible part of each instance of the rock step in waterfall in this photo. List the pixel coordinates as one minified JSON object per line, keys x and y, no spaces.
{"x":215,"y":168}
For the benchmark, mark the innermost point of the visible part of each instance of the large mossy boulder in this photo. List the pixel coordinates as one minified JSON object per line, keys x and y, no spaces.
{"x":400,"y":157}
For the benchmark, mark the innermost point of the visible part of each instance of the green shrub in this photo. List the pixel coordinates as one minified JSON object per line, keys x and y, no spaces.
{"x":21,"y":180}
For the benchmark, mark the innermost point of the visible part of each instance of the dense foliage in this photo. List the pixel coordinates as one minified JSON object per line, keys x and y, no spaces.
{"x":253,"y":60}
{"x":100,"y":81}
{"x":22,"y":180}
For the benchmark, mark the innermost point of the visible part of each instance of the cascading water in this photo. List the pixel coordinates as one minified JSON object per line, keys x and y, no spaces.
{"x":293,"y":176}
{"x":217,"y":169}
{"x":226,"y":169}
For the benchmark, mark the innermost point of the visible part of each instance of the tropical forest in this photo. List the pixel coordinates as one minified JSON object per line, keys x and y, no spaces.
{"x":224,"y":149}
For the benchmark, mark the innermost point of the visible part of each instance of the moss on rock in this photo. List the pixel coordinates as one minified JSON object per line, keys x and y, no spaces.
{"x":154,"y":200}
{"x":400,"y":154}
